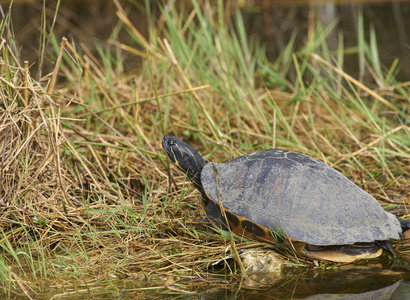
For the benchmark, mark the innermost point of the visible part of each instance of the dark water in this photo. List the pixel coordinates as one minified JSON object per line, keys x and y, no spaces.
{"x":381,"y":278}
{"x":274,"y":22}
{"x":349,"y":282}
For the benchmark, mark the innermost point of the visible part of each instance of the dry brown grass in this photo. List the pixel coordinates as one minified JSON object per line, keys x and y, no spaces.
{"x":83,"y":205}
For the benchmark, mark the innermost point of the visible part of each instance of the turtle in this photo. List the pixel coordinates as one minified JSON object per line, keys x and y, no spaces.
{"x":324,"y":214}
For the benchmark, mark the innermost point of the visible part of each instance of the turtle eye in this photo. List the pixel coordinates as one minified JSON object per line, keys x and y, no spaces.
{"x":171,"y":142}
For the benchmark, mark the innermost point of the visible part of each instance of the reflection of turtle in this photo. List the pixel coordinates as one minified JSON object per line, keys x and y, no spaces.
{"x":326,"y":215}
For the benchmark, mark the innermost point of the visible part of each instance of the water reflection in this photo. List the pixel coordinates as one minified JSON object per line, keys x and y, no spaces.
{"x":349,"y":282}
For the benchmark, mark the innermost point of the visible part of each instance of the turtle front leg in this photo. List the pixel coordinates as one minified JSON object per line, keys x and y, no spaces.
{"x":214,"y":215}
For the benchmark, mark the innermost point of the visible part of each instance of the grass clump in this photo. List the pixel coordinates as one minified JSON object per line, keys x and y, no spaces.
{"x":86,"y":197}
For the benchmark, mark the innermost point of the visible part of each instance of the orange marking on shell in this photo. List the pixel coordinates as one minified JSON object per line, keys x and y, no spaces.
{"x":241,"y":231}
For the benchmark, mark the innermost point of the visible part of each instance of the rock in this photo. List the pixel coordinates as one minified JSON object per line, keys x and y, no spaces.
{"x":264,"y":266}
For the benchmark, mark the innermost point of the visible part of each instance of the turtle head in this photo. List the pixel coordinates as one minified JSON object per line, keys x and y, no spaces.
{"x":186,"y":158}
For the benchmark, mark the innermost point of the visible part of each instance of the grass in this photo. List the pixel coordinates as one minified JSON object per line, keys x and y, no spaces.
{"x":86,"y":193}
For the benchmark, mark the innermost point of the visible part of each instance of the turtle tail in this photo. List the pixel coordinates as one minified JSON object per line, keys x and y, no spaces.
{"x":387,"y":246}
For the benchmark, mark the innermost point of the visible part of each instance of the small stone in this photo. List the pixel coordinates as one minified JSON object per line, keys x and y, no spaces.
{"x":263,"y":266}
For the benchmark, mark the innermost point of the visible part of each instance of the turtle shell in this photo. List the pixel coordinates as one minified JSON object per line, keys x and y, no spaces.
{"x":303,"y":197}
